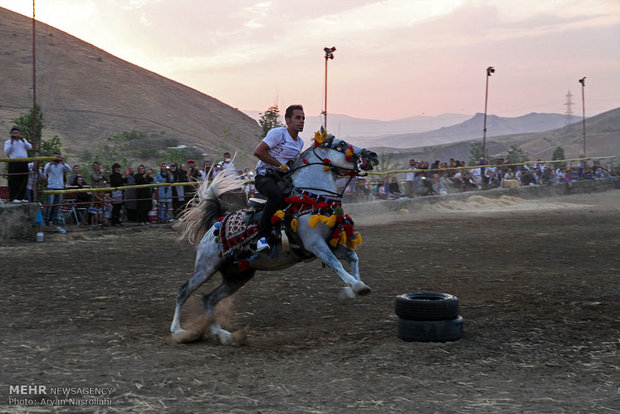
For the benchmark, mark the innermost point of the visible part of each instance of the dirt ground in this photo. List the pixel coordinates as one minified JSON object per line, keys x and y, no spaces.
{"x":537,"y":282}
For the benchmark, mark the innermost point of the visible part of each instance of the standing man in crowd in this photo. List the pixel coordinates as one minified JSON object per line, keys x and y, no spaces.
{"x":193,"y":177}
{"x":411,"y":178}
{"x":227,"y":162}
{"x":98,"y":177}
{"x":280,"y":145}
{"x":55,"y":171}
{"x":17,"y":147}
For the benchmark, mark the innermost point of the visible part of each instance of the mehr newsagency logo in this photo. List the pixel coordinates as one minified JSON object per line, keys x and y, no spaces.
{"x":45,"y":395}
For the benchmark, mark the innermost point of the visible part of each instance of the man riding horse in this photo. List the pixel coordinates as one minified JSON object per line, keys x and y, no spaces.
{"x":280,"y":145}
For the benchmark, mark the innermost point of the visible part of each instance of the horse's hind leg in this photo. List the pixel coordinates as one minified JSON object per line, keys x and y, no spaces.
{"x":233,"y":279}
{"x":207,"y":263}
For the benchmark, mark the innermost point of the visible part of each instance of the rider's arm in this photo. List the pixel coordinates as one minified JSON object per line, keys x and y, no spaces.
{"x":262,"y":153}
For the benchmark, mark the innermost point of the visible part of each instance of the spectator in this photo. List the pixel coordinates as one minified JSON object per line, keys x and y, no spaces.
{"x":74,"y":175}
{"x":227,"y":162}
{"x":164,"y":193}
{"x":364,"y":190}
{"x":476,"y":175}
{"x":207,"y":171}
{"x":193,"y":177}
{"x":32,"y":178}
{"x":144,"y":196}
{"x":177,"y":176}
{"x":116,"y":181}
{"x":55,"y":171}
{"x":98,"y":177}
{"x":217,"y":168}
{"x":17,"y":147}
{"x":131,"y":205}
{"x":394,"y":188}
{"x":107,"y":209}
{"x":384,"y":190}
{"x":411,"y":179}
{"x":95,"y":211}
{"x":83,"y":198}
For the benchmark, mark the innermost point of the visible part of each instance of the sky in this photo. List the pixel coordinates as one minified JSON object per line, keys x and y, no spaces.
{"x":394,"y":58}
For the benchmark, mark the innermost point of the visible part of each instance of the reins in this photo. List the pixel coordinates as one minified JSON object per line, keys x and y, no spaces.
{"x":351,"y":172}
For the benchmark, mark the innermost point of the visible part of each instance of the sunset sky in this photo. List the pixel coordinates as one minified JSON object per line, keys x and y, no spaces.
{"x":394,"y":58}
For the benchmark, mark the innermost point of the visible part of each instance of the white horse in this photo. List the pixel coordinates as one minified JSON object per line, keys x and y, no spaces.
{"x":313,"y":176}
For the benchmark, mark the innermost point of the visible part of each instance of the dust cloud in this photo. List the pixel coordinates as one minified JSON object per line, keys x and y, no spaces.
{"x":489,"y":206}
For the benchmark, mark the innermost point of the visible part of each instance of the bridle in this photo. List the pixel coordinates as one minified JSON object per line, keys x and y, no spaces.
{"x":343,"y":147}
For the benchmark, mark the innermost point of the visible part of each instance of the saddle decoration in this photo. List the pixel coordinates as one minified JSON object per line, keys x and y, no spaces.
{"x":232,"y":233}
{"x":323,"y":210}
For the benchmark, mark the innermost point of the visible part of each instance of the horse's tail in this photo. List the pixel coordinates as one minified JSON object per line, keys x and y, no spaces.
{"x":206,"y":207}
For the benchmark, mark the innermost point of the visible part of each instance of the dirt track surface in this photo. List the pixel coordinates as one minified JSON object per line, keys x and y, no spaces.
{"x":538,"y":290}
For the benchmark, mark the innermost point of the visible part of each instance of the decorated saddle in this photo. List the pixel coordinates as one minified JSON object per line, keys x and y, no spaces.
{"x":236,"y":231}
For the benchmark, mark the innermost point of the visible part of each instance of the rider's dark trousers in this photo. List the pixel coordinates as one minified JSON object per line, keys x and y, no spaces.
{"x":268,"y":186}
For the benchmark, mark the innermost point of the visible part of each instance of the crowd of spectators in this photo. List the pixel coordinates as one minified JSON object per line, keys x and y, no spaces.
{"x":424,"y":178}
{"x":143,"y":205}
{"x":163,"y":204}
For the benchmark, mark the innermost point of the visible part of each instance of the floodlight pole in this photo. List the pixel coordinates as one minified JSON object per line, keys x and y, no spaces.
{"x":490,"y":70}
{"x":582,"y":81}
{"x":36,"y":144}
{"x":329,"y":54}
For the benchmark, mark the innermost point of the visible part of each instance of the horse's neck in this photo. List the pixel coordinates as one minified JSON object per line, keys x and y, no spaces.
{"x":315,"y":178}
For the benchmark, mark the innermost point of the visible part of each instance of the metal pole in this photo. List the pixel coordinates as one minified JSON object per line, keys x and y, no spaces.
{"x":325,"y":105}
{"x":329,"y":54}
{"x":35,"y":141}
{"x":582,"y":81}
{"x":490,"y":70}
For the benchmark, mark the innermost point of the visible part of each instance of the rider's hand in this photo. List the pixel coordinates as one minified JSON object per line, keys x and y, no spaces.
{"x":284,"y":168}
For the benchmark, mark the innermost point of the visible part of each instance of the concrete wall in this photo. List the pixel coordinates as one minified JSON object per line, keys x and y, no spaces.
{"x":17,"y":221}
{"x":525,"y":192}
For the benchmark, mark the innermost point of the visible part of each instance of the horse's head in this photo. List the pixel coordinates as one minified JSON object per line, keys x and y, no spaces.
{"x":346,"y":158}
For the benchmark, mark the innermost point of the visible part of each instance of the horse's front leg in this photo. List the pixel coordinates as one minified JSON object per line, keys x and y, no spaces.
{"x":323,"y":252}
{"x":346,"y":294}
{"x":343,"y":252}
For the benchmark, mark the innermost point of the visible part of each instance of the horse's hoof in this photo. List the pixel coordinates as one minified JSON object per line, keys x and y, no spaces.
{"x":361,"y":289}
{"x":183,"y":337}
{"x":225,"y":339}
{"x":346,"y":295}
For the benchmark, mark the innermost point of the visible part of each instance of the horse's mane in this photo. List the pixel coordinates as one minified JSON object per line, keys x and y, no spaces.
{"x":206,"y":207}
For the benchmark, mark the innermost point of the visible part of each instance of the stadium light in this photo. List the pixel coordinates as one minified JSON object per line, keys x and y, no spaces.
{"x":329,"y":54}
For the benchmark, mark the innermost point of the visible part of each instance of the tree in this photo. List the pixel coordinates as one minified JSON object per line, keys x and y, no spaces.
{"x":24,"y":123}
{"x":270,"y":119}
{"x":475,"y":153}
{"x":516,"y":155}
{"x":386,"y":163}
{"x":48,"y":147}
{"x":558,"y":154}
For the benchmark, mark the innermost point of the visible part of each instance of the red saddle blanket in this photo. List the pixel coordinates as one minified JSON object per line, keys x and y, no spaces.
{"x":235,"y":231}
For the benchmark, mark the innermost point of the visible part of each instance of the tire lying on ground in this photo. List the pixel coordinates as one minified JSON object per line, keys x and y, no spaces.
{"x":426,"y":306}
{"x":430,"y":331}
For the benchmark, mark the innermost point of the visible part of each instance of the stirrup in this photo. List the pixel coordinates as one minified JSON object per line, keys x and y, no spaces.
{"x":262,"y":244}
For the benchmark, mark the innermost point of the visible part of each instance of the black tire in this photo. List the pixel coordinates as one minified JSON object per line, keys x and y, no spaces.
{"x":426,"y":306}
{"x":430,"y":331}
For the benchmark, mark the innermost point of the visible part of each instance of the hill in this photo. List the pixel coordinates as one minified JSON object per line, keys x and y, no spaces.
{"x":87,"y":96}
{"x":472,"y":128}
{"x":602,"y":139}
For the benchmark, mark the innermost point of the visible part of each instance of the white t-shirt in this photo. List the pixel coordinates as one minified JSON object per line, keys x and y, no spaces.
{"x":282,"y":147}
{"x":17,"y":148}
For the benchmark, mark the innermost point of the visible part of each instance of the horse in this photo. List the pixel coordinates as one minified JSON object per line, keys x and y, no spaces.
{"x":313,"y":175}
